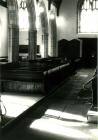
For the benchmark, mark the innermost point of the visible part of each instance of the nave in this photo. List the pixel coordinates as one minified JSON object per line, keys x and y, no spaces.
{"x":23,"y":84}
{"x":48,"y":69}
{"x":61,"y":115}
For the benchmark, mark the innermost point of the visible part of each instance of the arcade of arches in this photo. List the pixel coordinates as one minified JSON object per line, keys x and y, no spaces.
{"x":32,"y":29}
{"x":30,"y":26}
{"x":48,"y":69}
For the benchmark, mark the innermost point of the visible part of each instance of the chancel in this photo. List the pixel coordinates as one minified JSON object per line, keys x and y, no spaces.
{"x":48,"y":69}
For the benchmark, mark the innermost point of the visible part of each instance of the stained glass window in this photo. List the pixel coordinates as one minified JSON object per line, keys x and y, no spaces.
{"x":88,"y":18}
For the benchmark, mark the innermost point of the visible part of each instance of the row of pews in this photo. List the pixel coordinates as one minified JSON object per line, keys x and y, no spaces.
{"x":41,"y":75}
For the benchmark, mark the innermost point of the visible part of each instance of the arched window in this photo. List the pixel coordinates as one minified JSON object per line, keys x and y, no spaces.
{"x":23,"y":15}
{"x":88,"y":16}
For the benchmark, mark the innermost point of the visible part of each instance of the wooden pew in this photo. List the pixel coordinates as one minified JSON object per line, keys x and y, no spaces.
{"x":33,"y":76}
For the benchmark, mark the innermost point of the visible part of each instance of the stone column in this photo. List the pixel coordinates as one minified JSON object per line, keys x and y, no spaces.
{"x":13,"y":43}
{"x":53,"y":38}
{"x":53,"y":46}
{"x":32,"y":50}
{"x":45,"y":44}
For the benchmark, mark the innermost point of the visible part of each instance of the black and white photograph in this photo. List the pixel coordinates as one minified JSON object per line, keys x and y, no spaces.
{"x":48,"y":69}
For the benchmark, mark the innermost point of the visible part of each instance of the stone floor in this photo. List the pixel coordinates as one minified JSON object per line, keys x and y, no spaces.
{"x":60,"y":116}
{"x":14,"y":104}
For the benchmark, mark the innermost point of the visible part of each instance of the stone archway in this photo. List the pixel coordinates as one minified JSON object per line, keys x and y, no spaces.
{"x":13,"y":37}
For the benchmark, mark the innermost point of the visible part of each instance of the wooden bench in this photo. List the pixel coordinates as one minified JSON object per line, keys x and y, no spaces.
{"x":33,"y":77}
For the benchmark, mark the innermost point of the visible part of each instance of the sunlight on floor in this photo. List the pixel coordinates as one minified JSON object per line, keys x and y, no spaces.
{"x":60,"y":129}
{"x":66,"y":115}
{"x":84,"y":75}
{"x":14,"y":105}
{"x":94,"y":132}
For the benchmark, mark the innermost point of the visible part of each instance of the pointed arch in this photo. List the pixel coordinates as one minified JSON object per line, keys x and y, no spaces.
{"x":13,"y":21}
{"x":88,"y":16}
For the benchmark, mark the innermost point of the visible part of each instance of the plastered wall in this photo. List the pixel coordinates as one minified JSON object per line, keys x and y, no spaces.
{"x":67,"y":20}
{"x":3,"y":32}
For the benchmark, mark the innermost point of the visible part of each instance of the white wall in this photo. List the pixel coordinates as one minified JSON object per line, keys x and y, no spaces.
{"x":67,"y":20}
{"x":23,"y":38}
{"x":3,"y":32}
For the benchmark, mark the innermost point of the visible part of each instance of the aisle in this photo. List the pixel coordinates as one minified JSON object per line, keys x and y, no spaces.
{"x":61,"y":116}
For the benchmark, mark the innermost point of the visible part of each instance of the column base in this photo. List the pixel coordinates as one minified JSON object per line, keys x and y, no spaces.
{"x":92,"y":115}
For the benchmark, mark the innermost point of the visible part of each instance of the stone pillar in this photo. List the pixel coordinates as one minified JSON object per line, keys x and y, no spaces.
{"x":45,"y":44}
{"x":32,"y":50}
{"x":13,"y":43}
{"x":53,"y":46}
{"x":53,"y":38}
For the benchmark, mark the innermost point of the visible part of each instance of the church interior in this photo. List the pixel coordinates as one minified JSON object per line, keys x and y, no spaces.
{"x":48,"y":69}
